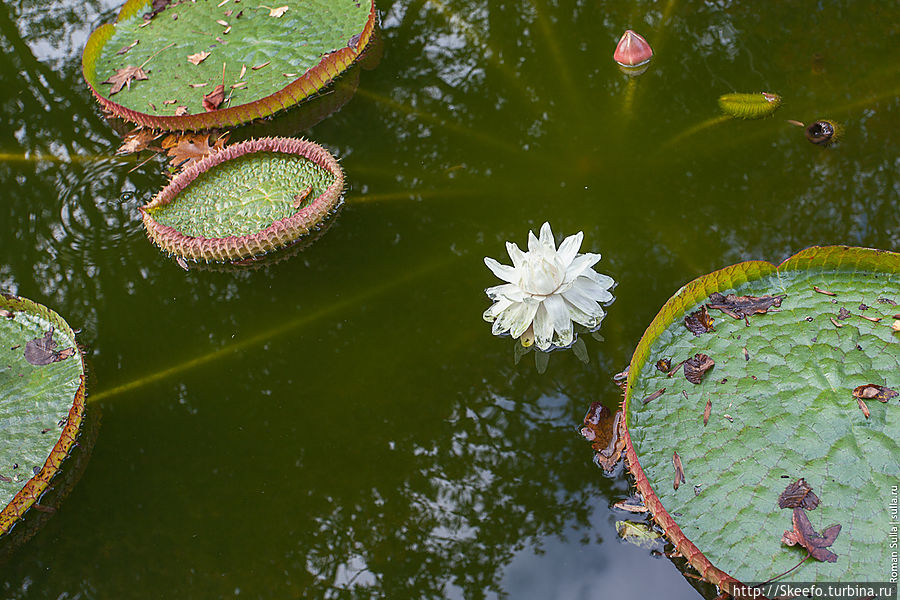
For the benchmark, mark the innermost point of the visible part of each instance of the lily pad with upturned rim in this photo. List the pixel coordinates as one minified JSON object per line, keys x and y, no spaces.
{"x":282,"y":60}
{"x":41,"y":405}
{"x":782,"y":408}
{"x":246,"y":200}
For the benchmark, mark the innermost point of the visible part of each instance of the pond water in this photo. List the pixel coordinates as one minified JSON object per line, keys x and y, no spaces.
{"x":342,"y":424}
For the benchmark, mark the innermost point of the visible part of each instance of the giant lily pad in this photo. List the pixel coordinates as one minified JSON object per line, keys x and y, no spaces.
{"x":245,"y":200}
{"x":781,"y":408}
{"x":266,"y":58}
{"x":41,"y":402}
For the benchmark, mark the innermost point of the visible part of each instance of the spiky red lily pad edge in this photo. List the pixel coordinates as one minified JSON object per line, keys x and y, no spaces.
{"x":678,"y":305}
{"x":300,"y":89}
{"x":35,"y":487}
{"x":278,"y":234}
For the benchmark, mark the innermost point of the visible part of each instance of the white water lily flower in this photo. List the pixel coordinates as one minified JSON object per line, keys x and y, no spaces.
{"x":546,"y":291}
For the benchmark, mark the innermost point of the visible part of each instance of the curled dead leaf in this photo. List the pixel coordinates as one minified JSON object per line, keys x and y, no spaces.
{"x":605,"y":432}
{"x":699,"y":322}
{"x":863,"y":407}
{"x":871,"y":391}
{"x":799,"y":494}
{"x":706,"y":412}
{"x":695,"y":368}
{"x":679,"y":470}
{"x":214,"y":99}
{"x":821,"y":291}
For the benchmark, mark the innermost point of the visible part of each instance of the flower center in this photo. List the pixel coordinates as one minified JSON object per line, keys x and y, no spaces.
{"x":542,"y":274}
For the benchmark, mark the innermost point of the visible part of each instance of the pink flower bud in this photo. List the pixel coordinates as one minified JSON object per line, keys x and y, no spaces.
{"x":632,"y":50}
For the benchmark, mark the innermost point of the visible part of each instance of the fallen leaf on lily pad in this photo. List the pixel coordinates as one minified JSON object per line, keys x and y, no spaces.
{"x":799,"y":494}
{"x":804,"y":535}
{"x":198,"y":58}
{"x":870,"y":391}
{"x":276,"y":12}
{"x":212,"y":100}
{"x":41,"y":351}
{"x":695,"y":368}
{"x":699,"y":322}
{"x":679,"y":470}
{"x":741,"y":307}
{"x":124,"y":77}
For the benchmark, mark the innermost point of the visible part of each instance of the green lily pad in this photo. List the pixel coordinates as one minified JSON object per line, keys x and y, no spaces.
{"x":749,"y":106}
{"x":781,"y":408}
{"x":246,"y":200}
{"x":41,"y":402}
{"x":266,"y":58}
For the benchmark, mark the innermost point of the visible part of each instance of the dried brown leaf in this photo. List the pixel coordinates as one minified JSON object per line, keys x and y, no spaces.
{"x":804,"y":535}
{"x":843,"y":314}
{"x":243,"y":71}
{"x":706,"y":412}
{"x":214,"y":99}
{"x":679,"y":470}
{"x":42,"y":351}
{"x":696,"y":367}
{"x":260,"y":66}
{"x":196,"y":59}
{"x":871,"y":391}
{"x":605,"y":432}
{"x":124,"y":77}
{"x":181,"y":110}
{"x":863,"y":407}
{"x":821,"y":291}
{"x":136,"y":140}
{"x":699,"y":322}
{"x":741,"y":307}
{"x":277,"y":12}
{"x":190,"y":147}
{"x":799,"y":494}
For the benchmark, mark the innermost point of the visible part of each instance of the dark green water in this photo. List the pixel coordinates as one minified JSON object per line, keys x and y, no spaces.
{"x":342,"y":424}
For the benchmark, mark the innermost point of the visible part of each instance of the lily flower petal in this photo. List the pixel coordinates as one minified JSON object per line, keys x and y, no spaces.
{"x":504,"y":272}
{"x":580,"y":265}
{"x":546,"y":238}
{"x":515,"y":254}
{"x":569,"y":248}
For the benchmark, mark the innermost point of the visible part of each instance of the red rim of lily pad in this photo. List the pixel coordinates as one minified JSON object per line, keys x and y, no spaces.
{"x":316,"y":78}
{"x":277,"y":235}
{"x":687,"y":298}
{"x":34,"y":488}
